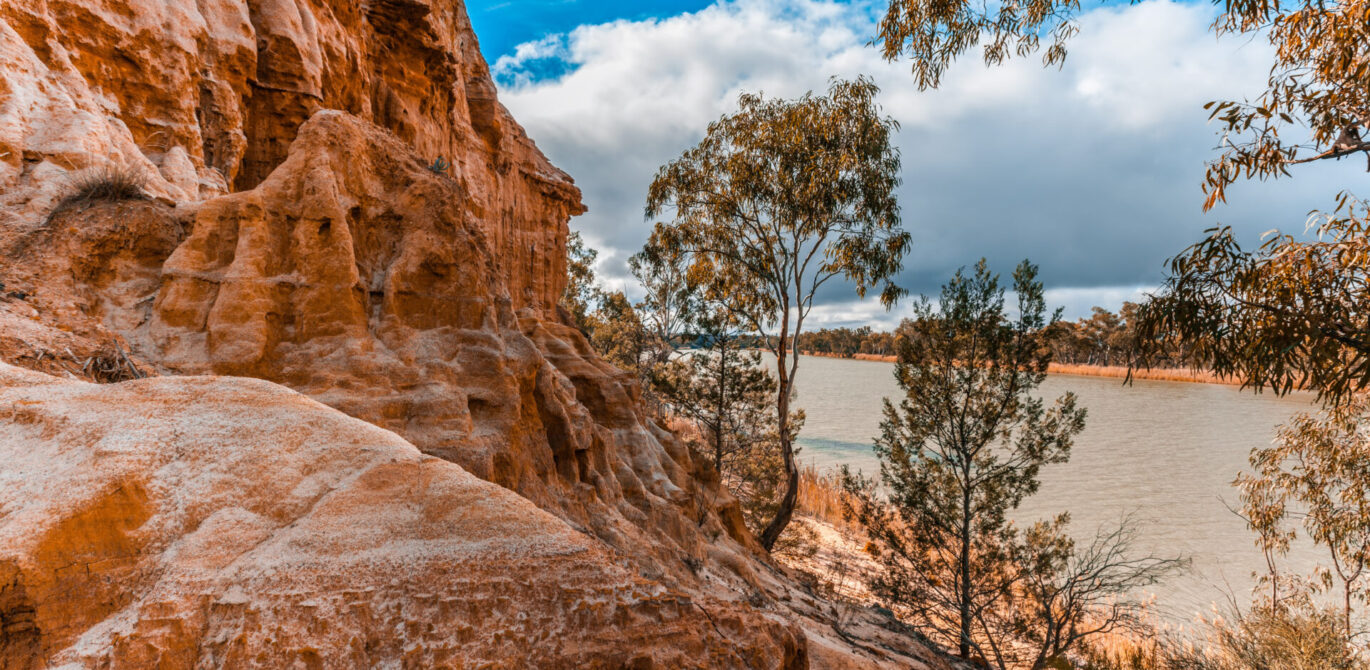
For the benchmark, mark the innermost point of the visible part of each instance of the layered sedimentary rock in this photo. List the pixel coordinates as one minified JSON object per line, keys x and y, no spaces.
{"x":415,"y":295}
{"x":206,"y":97}
{"x":217,"y":522}
{"x":356,"y":275}
{"x":300,"y":228}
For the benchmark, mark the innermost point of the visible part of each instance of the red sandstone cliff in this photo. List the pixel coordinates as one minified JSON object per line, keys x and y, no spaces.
{"x":297,"y":235}
{"x":207,"y":96}
{"x":148,"y":524}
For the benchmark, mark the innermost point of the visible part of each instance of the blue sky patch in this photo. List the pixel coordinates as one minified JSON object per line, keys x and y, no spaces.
{"x":503,"y":25}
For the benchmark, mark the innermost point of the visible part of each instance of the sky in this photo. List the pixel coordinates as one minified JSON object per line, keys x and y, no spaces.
{"x":1091,"y":171}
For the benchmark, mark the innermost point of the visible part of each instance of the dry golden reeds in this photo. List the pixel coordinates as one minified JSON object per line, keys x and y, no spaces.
{"x":1117,"y":371}
{"x":1156,"y":374}
{"x":821,"y":495}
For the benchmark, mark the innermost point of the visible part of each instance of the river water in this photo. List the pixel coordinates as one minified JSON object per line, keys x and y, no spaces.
{"x":1165,"y":452}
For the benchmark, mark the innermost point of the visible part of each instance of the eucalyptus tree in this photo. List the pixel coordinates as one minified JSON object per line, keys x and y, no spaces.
{"x":582,"y":292}
{"x":1320,"y":77}
{"x":963,"y":448}
{"x":615,"y":330}
{"x":1291,"y":314}
{"x":606,"y":318}
{"x":934,"y":33}
{"x":1294,"y":312}
{"x":1285,"y":315}
{"x":1316,"y":475}
{"x":671,"y":303}
{"x":778,"y":199}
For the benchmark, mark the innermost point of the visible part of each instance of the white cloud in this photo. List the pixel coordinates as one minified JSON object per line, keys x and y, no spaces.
{"x":1074,"y":303}
{"x":1091,"y":171}
{"x":854,"y":314}
{"x":517,"y":67}
{"x":1148,"y":64}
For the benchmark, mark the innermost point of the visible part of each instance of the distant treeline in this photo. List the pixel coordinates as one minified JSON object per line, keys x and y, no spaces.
{"x":1104,"y":338}
{"x":848,"y":341}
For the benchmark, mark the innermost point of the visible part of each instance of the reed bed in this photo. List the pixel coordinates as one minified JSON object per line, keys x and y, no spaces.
{"x":883,"y":358}
{"x":1084,"y":370}
{"x":1157,"y":374}
{"x":821,"y":495}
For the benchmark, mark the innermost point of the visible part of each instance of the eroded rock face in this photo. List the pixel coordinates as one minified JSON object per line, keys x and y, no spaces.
{"x":206,"y":97}
{"x":219,"y":522}
{"x":360,"y":277}
{"x":416,"y":296}
{"x":298,"y":230}
{"x":356,"y":275}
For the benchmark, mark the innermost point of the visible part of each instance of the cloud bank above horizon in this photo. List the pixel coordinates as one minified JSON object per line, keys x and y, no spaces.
{"x":1091,"y":171}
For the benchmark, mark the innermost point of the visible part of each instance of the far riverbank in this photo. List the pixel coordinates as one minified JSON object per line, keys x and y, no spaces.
{"x":1114,"y":371}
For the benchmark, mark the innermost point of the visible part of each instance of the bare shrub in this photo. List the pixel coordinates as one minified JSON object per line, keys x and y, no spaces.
{"x":110,"y":366}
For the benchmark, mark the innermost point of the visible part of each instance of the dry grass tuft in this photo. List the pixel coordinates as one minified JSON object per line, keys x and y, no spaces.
{"x":108,"y":365}
{"x":107,"y":183}
{"x":1126,"y":650}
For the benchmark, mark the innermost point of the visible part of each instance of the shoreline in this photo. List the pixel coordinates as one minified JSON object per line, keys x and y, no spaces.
{"x":1154,"y":374}
{"x":1112,"y":371}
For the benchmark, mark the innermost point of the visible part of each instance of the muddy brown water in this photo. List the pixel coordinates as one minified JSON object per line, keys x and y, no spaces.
{"x":1164,"y":452}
